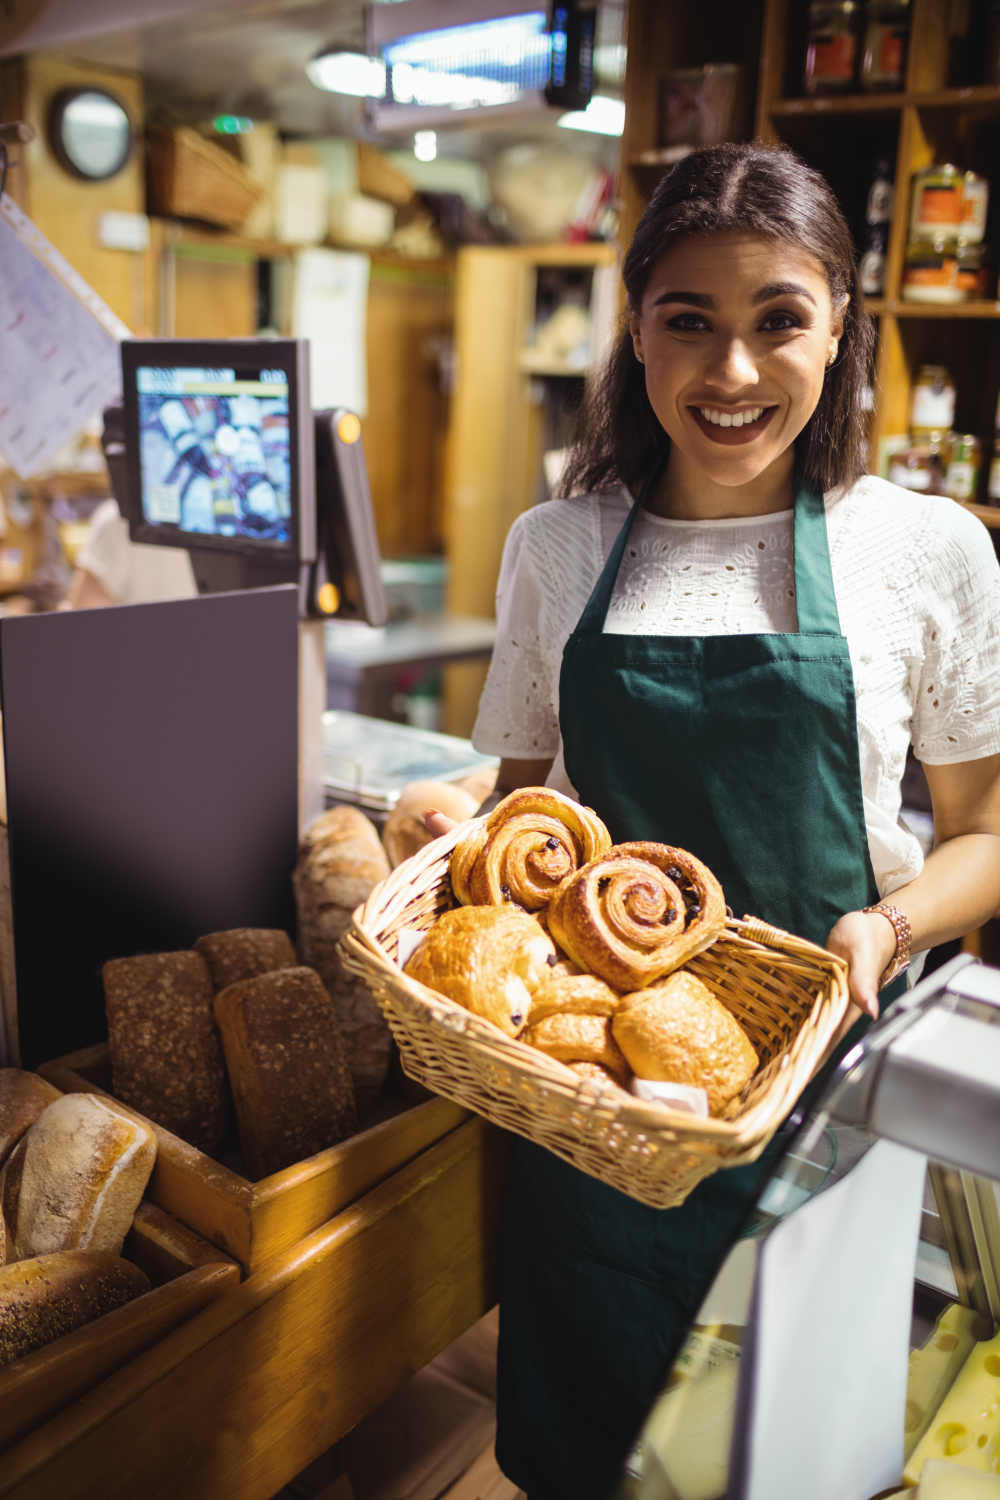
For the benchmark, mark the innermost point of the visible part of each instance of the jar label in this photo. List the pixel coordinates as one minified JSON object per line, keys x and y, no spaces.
{"x":944,"y":274}
{"x":938,"y":205}
{"x":831,"y":57}
{"x":961,"y":480}
{"x":933,"y":410}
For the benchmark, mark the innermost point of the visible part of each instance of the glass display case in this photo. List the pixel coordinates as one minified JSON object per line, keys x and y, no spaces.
{"x":849,"y":1347}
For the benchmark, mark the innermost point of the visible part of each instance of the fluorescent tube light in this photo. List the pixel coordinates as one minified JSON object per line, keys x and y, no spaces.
{"x":348,"y":73}
{"x":603,"y":116}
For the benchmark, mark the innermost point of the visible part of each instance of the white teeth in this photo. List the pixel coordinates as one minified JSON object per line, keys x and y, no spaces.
{"x":725,"y":420}
{"x":732,"y":419}
{"x":738,"y":419}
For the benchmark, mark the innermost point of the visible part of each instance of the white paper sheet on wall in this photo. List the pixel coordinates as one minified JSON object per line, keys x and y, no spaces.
{"x":59,"y":360}
{"x":331,"y":297}
{"x":835,"y":1293}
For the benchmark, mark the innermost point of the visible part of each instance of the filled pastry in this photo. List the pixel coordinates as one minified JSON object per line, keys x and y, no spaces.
{"x":491,"y":959}
{"x":531,"y":843}
{"x":637,"y":913}
{"x":678,"y":1032}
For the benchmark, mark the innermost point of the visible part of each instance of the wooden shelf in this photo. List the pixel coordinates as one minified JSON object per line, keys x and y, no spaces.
{"x":984,"y":97}
{"x":988,"y":514}
{"x":932,"y":310}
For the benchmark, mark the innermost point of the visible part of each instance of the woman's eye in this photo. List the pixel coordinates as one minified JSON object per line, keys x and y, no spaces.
{"x":778,"y":322}
{"x":688,"y":323}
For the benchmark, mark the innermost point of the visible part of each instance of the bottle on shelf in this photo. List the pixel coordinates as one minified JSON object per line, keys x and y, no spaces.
{"x":832,"y":50}
{"x":993,"y":484}
{"x":887,"y":41}
{"x":961,"y":480}
{"x":879,"y":214}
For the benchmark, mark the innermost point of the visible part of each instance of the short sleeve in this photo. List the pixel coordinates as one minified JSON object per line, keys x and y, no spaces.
{"x":517,"y":715}
{"x":956,"y":712}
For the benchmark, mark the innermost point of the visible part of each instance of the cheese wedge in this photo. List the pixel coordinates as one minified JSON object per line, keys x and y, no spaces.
{"x":966,"y":1427}
{"x":691,"y":1430}
{"x":943,"y":1480}
{"x":933,"y":1369}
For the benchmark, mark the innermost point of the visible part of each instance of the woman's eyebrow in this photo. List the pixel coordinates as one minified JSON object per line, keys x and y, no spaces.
{"x":782,"y":289}
{"x":694,"y":299}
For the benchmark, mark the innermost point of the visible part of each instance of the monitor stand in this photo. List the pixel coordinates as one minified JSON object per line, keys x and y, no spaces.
{"x":224,"y":572}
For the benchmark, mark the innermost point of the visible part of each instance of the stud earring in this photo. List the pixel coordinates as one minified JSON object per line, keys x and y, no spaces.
{"x":639,"y":357}
{"x":833,"y":358}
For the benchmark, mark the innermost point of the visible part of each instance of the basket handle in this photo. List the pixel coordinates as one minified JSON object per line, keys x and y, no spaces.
{"x":759,"y":931}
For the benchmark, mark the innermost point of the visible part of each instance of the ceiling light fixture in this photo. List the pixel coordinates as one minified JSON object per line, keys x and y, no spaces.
{"x":425,"y":145}
{"x":603,"y":116}
{"x":342,"y":72}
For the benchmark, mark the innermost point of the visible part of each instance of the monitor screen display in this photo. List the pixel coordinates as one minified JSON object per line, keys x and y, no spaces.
{"x":214,"y":451}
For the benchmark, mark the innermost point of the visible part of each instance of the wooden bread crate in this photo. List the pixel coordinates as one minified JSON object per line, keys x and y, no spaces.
{"x":255,"y":1221}
{"x":191,"y":178}
{"x":236,"y":1403}
{"x":187,"y":1275}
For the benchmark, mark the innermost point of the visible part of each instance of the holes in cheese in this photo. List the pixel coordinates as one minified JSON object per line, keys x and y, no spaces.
{"x":966,"y":1430}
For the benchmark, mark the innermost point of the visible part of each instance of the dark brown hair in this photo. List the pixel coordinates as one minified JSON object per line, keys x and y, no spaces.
{"x":731,"y":189}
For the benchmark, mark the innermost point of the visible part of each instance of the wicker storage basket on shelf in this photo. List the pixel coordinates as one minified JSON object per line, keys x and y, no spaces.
{"x":191,"y":178}
{"x":789,"y":995}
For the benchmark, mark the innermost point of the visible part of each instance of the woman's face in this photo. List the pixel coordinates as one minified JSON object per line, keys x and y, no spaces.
{"x":735,"y":332}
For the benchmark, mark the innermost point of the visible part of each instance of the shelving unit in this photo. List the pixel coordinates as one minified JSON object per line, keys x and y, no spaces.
{"x":936,"y":119}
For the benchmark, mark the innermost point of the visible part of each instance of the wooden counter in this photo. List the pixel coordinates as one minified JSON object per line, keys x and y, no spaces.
{"x":245,"y":1395}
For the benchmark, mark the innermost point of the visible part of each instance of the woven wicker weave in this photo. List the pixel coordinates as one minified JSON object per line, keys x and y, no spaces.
{"x":789,"y":995}
{"x":191,"y":178}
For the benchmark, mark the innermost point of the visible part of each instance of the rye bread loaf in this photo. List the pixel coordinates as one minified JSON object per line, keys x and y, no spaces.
{"x":47,"y":1296}
{"x":288,"y":1068}
{"x":75,"y":1180}
{"x":23,"y":1097}
{"x":245,"y":952}
{"x":341,"y":860}
{"x":166,"y":1057}
{"x":404,"y":832}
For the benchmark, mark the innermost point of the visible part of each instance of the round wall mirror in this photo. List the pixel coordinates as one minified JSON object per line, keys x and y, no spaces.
{"x":90,"y":133}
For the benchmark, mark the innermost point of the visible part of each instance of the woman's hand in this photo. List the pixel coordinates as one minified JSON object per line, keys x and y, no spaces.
{"x":868,"y":942}
{"x":436,"y":823}
{"x":512,"y":775}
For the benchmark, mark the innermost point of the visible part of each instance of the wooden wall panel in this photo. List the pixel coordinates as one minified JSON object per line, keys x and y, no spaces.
{"x":65,"y":208}
{"x":214,"y":298}
{"x":409,"y":317}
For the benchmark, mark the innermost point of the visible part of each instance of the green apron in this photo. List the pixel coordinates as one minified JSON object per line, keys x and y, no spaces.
{"x":744,"y":750}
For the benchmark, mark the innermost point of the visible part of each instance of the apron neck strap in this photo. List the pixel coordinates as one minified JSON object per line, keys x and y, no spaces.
{"x":815,"y":600}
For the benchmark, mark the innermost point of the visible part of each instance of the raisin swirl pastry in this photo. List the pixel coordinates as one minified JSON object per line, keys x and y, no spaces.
{"x":637,"y":913}
{"x":529,"y":845}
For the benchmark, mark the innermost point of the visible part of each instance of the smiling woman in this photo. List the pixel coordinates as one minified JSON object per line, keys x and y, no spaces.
{"x":725,"y":638}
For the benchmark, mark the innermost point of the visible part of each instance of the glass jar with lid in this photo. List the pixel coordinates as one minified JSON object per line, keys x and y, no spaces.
{"x":961,"y":481}
{"x":932,"y":413}
{"x":975,"y":201}
{"x":887,"y":39}
{"x":917,"y":468}
{"x":832,"y":51}
{"x":930,"y":272}
{"x":936,"y":204}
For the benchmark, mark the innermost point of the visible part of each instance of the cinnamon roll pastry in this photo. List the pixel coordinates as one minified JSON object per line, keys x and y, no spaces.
{"x":489,"y":959}
{"x":532,"y":842}
{"x":579,"y":1037}
{"x":679,"y":1032}
{"x":637,"y":913}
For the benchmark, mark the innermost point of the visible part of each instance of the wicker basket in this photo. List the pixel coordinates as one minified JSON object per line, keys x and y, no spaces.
{"x":790,"y":996}
{"x":191,"y":178}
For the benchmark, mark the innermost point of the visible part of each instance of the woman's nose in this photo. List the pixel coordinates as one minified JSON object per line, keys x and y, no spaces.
{"x":733,"y":366}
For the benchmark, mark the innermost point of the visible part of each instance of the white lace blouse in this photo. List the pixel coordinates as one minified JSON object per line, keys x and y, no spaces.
{"x":918,"y":590}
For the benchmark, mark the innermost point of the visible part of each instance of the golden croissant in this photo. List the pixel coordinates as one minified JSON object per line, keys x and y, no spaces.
{"x":531,"y":843}
{"x":489,"y":959}
{"x":637,"y":913}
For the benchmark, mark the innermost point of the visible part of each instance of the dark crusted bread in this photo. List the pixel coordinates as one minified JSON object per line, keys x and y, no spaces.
{"x":287,"y":1066}
{"x":23,"y":1096}
{"x":166,"y":1057}
{"x":42,"y":1299}
{"x":245,"y":952}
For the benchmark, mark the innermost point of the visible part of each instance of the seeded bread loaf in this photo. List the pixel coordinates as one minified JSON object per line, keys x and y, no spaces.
{"x":76,"y":1178}
{"x":166,"y":1057}
{"x":340,"y":862}
{"x":47,"y":1296}
{"x":23,"y":1097}
{"x":245,"y":952}
{"x":288,"y":1068}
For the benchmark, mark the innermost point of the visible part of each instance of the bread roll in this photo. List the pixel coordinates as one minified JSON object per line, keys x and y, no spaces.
{"x":23,"y":1097}
{"x":579,"y":1038}
{"x":245,"y":952}
{"x":491,"y":959}
{"x":341,"y":860}
{"x":166,"y":1057}
{"x":481,"y":784}
{"x":76,"y":1179}
{"x":288,"y":1068}
{"x":678,"y":1032}
{"x":47,"y":1296}
{"x":404,"y":832}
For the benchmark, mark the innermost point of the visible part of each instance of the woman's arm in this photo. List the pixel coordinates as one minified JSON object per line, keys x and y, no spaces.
{"x":511,"y":775}
{"x":956,"y":891}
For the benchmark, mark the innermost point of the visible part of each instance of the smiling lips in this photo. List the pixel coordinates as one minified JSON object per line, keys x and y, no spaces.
{"x":731,"y":427}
